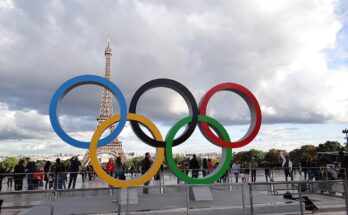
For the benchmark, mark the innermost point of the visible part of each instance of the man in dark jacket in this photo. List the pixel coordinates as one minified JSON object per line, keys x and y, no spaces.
{"x":74,"y":169}
{"x":30,"y":169}
{"x":145,"y":166}
{"x":19,"y":174}
{"x":59,"y":174}
{"x":194,"y":166}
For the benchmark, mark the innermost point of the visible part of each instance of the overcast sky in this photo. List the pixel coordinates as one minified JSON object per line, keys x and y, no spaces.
{"x":292,"y":55}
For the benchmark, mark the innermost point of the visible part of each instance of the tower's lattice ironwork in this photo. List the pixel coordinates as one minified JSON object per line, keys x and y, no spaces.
{"x":106,"y":110}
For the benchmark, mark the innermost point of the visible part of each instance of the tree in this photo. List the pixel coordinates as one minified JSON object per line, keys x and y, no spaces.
{"x":330,"y":146}
{"x":136,"y":161}
{"x":272,"y":158}
{"x":257,"y":154}
{"x":296,"y":156}
{"x":245,"y":156}
{"x":242,"y":157}
{"x":10,"y":162}
{"x":308,"y":151}
{"x":179,"y":159}
{"x":303,"y":153}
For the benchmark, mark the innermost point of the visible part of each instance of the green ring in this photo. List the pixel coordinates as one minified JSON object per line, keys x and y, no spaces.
{"x":226,"y":152}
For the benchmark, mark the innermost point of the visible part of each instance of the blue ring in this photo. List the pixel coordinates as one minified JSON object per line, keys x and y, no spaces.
{"x":83,"y":80}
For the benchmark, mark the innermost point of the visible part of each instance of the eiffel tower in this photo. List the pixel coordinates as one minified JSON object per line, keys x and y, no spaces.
{"x":106,"y":110}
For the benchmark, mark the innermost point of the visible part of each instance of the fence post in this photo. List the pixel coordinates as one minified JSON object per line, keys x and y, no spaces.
{"x":187,"y":199}
{"x":230,"y":179}
{"x":328,"y":184}
{"x":119,"y":200}
{"x":243,"y":199}
{"x":127,"y":212}
{"x":345,"y":193}
{"x":162,"y":179}
{"x":56,"y":181}
{"x":52,"y":202}
{"x":251,"y":199}
{"x":300,"y":198}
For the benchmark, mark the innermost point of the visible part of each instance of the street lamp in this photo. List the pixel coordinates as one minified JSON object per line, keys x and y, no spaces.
{"x":345,"y":131}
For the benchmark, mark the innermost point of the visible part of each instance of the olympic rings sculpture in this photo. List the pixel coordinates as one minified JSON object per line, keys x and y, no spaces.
{"x":197,"y":116}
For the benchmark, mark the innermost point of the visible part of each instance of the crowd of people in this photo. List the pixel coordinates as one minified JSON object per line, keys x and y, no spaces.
{"x":56,"y":175}
{"x":310,"y":169}
{"x":50,"y":176}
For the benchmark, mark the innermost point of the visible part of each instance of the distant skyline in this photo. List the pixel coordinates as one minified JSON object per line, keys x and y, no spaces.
{"x":293,"y":55}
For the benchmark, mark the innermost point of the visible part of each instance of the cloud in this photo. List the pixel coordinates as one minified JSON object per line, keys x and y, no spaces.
{"x":23,"y":124}
{"x":279,"y":50}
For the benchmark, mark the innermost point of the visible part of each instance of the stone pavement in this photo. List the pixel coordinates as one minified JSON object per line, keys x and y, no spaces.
{"x":173,"y":201}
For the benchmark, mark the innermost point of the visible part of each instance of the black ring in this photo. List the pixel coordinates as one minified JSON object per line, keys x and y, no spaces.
{"x":177,"y":87}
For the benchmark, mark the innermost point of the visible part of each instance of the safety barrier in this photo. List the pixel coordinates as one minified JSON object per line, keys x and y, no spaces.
{"x":249,"y":202}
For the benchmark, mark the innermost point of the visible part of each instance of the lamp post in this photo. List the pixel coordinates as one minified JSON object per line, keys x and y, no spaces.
{"x":345,"y":131}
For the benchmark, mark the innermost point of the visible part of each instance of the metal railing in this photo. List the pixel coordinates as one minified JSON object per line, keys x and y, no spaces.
{"x":252,"y":187}
{"x":272,"y":187}
{"x":51,"y":179}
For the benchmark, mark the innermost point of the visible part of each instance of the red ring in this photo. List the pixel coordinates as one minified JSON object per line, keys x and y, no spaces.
{"x":255,"y":112}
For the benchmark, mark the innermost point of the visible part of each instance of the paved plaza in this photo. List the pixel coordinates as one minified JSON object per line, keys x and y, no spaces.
{"x":171,"y":200}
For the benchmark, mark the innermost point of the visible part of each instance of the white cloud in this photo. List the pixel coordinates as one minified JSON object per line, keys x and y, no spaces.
{"x":23,"y":124}
{"x":268,"y":110}
{"x":277,"y":49}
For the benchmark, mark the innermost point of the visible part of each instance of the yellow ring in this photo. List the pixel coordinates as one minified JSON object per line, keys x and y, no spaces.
{"x":122,"y":183}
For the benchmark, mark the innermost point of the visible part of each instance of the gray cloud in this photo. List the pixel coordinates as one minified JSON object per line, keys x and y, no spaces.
{"x":277,"y":52}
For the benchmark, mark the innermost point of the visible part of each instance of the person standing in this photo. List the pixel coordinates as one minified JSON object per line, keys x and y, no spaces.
{"x":343,"y":160}
{"x":236,"y":170}
{"x":30,"y":170}
{"x":19,"y":174}
{"x":253,"y":167}
{"x":38,"y":178}
{"x":58,"y":168}
{"x":73,"y":171}
{"x":204,"y":167}
{"x":287,"y":166}
{"x":145,"y":166}
{"x":131,"y":171}
{"x":317,"y":172}
{"x":83,"y":173}
{"x":2,"y":174}
{"x":304,"y":168}
{"x":181,"y":167}
{"x":268,"y":174}
{"x":210,"y":166}
{"x":119,"y":169}
{"x":186,"y":166}
{"x":47,"y":168}
{"x":9,"y":172}
{"x":110,"y":167}
{"x":246,"y":171}
{"x":194,"y":166}
{"x":90,"y":172}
